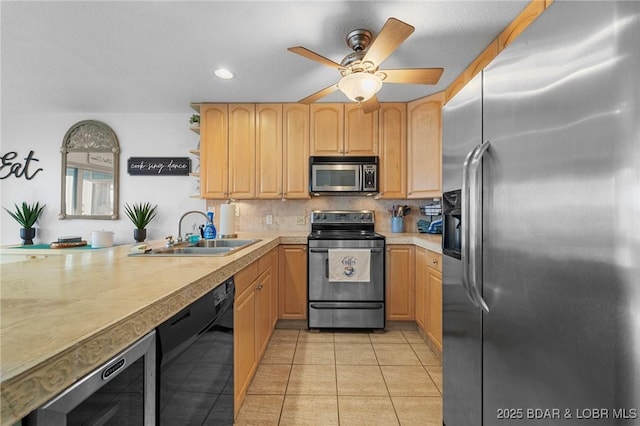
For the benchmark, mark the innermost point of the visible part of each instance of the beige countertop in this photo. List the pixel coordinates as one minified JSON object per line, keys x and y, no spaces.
{"x":64,"y":312}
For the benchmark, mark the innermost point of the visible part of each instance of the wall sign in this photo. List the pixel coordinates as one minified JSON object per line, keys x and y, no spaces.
{"x":18,"y":169}
{"x":173,"y":166}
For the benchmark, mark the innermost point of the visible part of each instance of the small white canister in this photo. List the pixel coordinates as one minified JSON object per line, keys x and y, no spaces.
{"x":101,"y":239}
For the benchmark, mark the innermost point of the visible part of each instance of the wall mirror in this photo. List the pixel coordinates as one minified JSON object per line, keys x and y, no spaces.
{"x":90,"y":160}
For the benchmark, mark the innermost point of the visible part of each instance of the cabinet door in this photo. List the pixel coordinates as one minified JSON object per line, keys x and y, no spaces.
{"x":263,"y":327}
{"x":269,"y":151}
{"x":422,"y":292}
{"x":400,"y":284}
{"x":214,"y":154}
{"x":295,"y":146}
{"x":292,"y":282}
{"x":244,"y":351}
{"x":393,"y":150}
{"x":274,"y":287}
{"x":242,"y":151}
{"x":434,"y":319}
{"x":360,"y":131}
{"x":424,"y":134}
{"x":327,"y":129}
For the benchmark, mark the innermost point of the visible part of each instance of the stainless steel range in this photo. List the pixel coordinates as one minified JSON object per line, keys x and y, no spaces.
{"x":346,"y":270}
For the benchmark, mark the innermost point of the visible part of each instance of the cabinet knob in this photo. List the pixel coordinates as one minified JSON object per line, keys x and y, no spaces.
{"x":259,"y":286}
{"x":435,"y":261}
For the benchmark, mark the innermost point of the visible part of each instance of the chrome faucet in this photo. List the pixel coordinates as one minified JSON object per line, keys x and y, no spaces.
{"x":183,"y":216}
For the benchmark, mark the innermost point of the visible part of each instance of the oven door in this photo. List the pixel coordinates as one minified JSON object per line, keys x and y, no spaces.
{"x":321,"y":289}
{"x":336,"y":177}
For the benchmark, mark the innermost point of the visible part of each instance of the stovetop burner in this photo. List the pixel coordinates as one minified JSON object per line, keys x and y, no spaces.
{"x":345,"y":235}
{"x":343,"y":225}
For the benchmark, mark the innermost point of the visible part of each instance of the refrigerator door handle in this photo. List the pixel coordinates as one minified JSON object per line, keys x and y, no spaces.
{"x":464,"y":238}
{"x":475,"y":225}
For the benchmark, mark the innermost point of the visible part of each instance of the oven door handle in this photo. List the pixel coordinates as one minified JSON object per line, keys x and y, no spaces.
{"x":360,"y":305}
{"x":319,"y":250}
{"x":326,"y":268}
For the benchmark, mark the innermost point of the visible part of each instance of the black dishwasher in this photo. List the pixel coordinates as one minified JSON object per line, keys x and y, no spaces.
{"x":195,"y":362}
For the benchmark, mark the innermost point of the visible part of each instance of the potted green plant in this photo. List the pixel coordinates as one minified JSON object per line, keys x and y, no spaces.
{"x":194,"y":120}
{"x":140,"y":214}
{"x":26,"y":216}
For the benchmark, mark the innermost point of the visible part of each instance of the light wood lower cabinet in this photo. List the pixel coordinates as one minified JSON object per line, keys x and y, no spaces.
{"x":253,"y":321}
{"x":422,"y":288}
{"x":292,"y":282}
{"x":434,"y":320}
{"x":400,"y":282}
{"x":429,"y":294}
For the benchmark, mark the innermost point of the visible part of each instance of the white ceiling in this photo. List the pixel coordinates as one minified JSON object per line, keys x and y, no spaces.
{"x":158,"y":56}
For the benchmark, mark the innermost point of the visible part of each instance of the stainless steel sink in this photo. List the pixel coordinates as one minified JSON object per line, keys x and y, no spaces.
{"x":224,"y":243}
{"x":201,"y":248}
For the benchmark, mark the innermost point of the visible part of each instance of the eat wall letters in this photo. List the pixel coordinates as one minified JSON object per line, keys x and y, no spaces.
{"x":18,"y":169}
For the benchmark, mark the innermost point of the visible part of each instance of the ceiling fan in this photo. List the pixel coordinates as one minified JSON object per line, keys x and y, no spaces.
{"x":361,"y":76}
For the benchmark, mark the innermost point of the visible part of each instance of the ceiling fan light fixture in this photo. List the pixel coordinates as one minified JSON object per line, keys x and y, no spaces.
{"x":360,"y":86}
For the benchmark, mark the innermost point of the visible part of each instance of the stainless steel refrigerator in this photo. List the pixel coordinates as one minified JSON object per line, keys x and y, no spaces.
{"x":541,"y":242}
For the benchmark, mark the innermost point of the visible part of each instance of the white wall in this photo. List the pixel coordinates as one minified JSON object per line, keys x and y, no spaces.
{"x":161,"y":135}
{"x":147,"y":135}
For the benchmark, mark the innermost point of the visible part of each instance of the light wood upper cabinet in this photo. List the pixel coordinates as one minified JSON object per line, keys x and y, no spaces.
{"x":214,"y":153}
{"x":400,"y":282}
{"x":342,"y":129}
{"x":327,"y":129}
{"x":295,"y":151}
{"x":360,"y":131}
{"x":242,"y":151}
{"x":269,"y":150}
{"x":424,"y":165}
{"x":393,"y":150}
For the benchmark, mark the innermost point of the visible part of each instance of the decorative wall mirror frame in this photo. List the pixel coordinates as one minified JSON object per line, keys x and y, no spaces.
{"x":90,"y":169}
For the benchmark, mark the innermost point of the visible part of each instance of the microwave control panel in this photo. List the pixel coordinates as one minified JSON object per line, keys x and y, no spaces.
{"x":369,"y":181}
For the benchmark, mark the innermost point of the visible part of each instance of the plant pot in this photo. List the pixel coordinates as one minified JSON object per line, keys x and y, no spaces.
{"x":140,"y":235}
{"x":27,"y":235}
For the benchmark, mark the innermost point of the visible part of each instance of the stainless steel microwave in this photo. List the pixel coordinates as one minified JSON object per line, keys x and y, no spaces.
{"x":343,"y":175}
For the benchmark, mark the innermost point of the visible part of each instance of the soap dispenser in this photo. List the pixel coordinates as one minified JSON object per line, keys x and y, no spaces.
{"x":210,"y":229}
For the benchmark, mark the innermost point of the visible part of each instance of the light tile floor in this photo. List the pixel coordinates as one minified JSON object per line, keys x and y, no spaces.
{"x":345,"y":378}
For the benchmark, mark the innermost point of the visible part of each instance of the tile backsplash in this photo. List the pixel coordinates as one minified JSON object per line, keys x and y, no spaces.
{"x":294,"y":215}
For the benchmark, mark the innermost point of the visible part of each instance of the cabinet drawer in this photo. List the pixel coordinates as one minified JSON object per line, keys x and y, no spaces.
{"x":434,"y":260}
{"x":245,"y":277}
{"x":264,"y":262}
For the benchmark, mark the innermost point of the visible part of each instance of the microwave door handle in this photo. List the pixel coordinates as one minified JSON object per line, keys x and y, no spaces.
{"x":475,"y":249}
{"x":464,"y":238}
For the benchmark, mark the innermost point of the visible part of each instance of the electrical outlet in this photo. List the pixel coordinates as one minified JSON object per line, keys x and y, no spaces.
{"x":299,"y":220}
{"x":268,"y":219}
{"x":237,"y":210}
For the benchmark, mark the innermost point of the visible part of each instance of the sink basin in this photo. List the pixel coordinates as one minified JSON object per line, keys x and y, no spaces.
{"x":223,"y":243}
{"x":201,"y":248}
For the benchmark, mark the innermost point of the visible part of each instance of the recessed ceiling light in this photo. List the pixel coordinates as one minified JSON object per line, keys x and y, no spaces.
{"x":223,"y":73}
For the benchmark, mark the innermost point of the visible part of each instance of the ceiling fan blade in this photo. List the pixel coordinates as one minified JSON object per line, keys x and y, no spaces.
{"x":413,"y":75}
{"x":319,"y":94}
{"x":302,"y":51}
{"x":392,"y":34}
{"x":370,"y":105}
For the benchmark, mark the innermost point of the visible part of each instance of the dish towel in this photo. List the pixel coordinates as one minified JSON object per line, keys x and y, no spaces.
{"x":351,"y":265}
